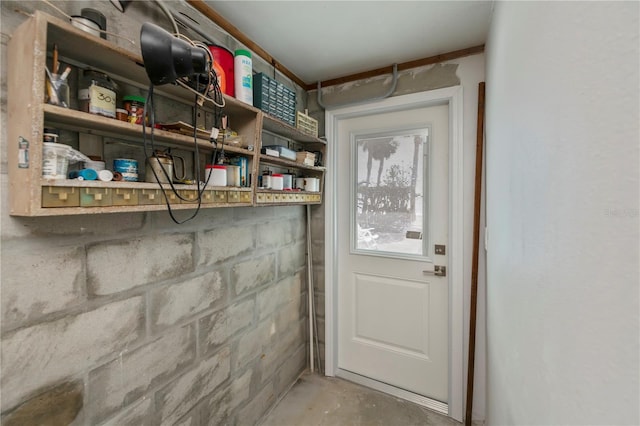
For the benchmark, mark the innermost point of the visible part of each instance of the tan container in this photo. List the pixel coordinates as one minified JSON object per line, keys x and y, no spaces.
{"x":220,"y":196}
{"x":95,"y":197}
{"x":60,"y":196}
{"x":233,"y":197}
{"x":125,"y":197}
{"x":150,"y":197}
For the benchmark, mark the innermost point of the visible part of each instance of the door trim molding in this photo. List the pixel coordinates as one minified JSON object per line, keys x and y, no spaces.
{"x":454,"y":98}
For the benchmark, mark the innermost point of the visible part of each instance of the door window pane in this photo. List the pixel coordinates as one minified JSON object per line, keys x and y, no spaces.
{"x":390,"y":184}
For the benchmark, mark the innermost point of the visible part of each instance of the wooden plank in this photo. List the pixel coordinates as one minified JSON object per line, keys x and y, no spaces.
{"x":476,"y":252}
{"x":401,"y":67}
{"x":25,"y":92}
{"x":220,"y":20}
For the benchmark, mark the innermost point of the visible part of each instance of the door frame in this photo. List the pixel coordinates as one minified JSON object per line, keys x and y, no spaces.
{"x":453,"y":97}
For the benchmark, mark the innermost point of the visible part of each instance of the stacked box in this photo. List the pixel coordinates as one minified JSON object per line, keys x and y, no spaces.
{"x":274,"y":98}
{"x":306,"y":124}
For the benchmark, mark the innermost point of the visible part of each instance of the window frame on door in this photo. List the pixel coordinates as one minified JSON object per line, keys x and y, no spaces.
{"x":425,"y":128}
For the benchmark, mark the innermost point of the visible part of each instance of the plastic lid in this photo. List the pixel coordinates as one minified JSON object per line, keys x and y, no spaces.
{"x":95,"y":16}
{"x":276,"y":175}
{"x":135,"y":98}
{"x":215,"y":166}
{"x":242,"y":52}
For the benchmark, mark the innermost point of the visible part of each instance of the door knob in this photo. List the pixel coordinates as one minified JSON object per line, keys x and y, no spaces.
{"x":438,"y":271}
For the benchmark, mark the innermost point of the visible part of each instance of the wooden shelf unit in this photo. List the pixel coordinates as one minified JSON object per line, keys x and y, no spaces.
{"x":28,"y":115}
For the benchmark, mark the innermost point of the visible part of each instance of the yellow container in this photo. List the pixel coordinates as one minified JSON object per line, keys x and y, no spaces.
{"x":60,"y":196}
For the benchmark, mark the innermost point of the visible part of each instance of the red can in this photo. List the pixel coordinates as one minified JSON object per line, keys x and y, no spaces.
{"x":223,"y":66}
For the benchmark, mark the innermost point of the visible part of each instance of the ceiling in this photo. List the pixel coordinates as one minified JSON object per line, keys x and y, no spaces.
{"x":321,"y":40}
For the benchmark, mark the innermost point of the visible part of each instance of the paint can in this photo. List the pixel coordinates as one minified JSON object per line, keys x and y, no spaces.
{"x":311,"y":184}
{"x":55,"y":160}
{"x":127,"y":167}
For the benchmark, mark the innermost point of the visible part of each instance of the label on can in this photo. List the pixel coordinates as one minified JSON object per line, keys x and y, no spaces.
{"x":23,"y":153}
{"x":127,"y":168}
{"x":101,"y":100}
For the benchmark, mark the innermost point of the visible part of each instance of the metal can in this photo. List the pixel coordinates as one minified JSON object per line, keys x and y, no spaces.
{"x":127,"y":167}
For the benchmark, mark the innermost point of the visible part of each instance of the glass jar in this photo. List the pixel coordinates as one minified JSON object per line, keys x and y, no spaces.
{"x":97,"y":94}
{"x":134,"y":105}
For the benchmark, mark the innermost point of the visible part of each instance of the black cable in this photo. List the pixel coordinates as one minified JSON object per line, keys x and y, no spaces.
{"x":150,"y":111}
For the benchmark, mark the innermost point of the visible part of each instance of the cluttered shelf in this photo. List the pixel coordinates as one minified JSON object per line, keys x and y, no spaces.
{"x":279,"y":161}
{"x":66,"y":118}
{"x":36,"y":114}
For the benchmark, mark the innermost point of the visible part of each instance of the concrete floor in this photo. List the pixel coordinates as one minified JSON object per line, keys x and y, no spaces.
{"x":326,"y":401}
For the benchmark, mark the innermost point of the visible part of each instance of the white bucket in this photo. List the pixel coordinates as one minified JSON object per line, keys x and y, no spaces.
{"x":55,"y":160}
{"x":311,"y":184}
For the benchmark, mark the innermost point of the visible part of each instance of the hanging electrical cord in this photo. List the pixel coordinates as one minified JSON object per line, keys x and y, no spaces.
{"x":211,"y":86}
{"x":212,"y":81}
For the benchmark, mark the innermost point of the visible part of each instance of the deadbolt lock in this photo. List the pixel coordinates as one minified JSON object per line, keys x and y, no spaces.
{"x":440,"y":249}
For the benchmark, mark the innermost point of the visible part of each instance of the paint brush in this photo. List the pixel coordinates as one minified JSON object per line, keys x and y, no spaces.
{"x":55,"y":64}
{"x":53,"y":94}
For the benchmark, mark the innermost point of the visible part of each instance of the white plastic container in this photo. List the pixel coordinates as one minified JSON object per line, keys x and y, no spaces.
{"x":287,"y":181}
{"x":218,"y":175}
{"x":311,"y":184}
{"x":277,"y":182}
{"x":299,"y":183}
{"x":243,"y":76}
{"x":55,"y":160}
{"x":233,"y":175}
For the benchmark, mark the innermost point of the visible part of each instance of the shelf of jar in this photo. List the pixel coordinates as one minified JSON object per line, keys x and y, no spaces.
{"x":84,"y":122}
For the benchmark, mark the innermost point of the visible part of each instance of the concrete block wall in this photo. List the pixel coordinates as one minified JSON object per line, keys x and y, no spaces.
{"x":151,"y":323}
{"x":122,"y":319}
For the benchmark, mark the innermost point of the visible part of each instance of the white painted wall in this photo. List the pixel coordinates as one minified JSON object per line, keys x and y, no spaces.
{"x":562,"y":213}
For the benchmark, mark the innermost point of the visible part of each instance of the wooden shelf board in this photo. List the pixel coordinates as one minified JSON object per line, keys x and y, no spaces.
{"x":276,"y":126}
{"x":104,"y":126}
{"x":288,"y":163}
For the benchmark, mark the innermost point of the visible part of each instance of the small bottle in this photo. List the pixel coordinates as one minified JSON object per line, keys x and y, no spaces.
{"x":134,"y":105}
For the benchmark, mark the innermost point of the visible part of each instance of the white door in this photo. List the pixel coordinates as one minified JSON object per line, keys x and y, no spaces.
{"x":392,"y":210}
